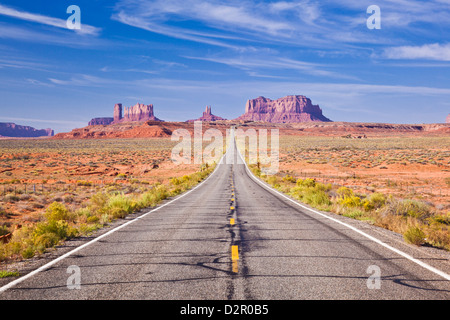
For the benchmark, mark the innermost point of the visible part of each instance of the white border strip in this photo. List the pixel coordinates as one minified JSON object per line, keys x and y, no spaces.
{"x":405,"y":255}
{"x":51,"y":263}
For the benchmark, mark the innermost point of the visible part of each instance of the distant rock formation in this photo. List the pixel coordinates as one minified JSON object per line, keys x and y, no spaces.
{"x":18,"y":131}
{"x":207,"y":116}
{"x":101,"y":121}
{"x":139,"y":112}
{"x":289,"y":109}
{"x":448,"y":119}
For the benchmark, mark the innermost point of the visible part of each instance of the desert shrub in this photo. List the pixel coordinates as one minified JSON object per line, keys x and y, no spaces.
{"x":60,"y":229}
{"x":414,"y":235}
{"x":443,"y":219}
{"x":24,"y":197}
{"x":344,"y":192}
{"x":175,"y":181}
{"x":316,"y":198}
{"x":324,"y":187}
{"x":92,"y":219}
{"x":46,"y":240}
{"x":11,"y":198}
{"x":56,"y":212}
{"x":405,"y":208}
{"x":118,"y":206}
{"x":272,"y":180}
{"x":83,"y":183}
{"x":347,"y":199}
{"x":308,"y":182}
{"x":28,"y":252}
{"x":375,"y":201}
{"x":350,"y":201}
{"x":354,"y":214}
{"x":148,"y":199}
{"x":161,"y":192}
{"x":438,"y":235}
{"x":312,"y":193}
{"x":3,"y":230}
{"x":48,"y":234}
{"x":5,"y":274}
{"x":83,"y":214}
{"x":255,"y":169}
{"x":289,"y":178}
{"x":98,"y":202}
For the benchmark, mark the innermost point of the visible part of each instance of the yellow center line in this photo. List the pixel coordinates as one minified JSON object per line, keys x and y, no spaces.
{"x":234,"y":253}
{"x":234,"y":258}
{"x":232,"y":221}
{"x":234,"y":266}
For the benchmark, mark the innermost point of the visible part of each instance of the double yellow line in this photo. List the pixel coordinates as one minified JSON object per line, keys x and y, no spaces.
{"x":234,"y":248}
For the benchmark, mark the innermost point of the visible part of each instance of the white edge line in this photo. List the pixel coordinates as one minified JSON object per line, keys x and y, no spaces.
{"x":407,"y":256}
{"x":51,"y":263}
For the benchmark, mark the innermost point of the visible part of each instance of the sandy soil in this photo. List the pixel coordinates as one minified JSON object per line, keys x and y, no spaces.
{"x":35,"y":173}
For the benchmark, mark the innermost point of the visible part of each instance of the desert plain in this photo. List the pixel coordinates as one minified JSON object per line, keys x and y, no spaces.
{"x":404,"y":162}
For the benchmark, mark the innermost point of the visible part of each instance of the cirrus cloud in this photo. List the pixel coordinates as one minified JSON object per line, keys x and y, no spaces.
{"x":50,"y":21}
{"x":434,"y":51}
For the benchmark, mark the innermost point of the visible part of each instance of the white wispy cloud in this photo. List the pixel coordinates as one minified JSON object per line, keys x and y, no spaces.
{"x":238,"y":15}
{"x":57,"y":37}
{"x":83,"y":80}
{"x":17,"y":63}
{"x":310,"y":24}
{"x":249,"y":64}
{"x":174,"y":32}
{"x":218,"y":23}
{"x":46,"y":20}
{"x":434,"y":51}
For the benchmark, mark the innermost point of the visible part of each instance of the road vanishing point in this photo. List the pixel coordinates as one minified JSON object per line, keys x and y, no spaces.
{"x":234,"y":238}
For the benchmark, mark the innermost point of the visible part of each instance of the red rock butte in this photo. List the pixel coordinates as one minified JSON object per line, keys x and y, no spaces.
{"x":290,"y":109}
{"x":207,"y":116}
{"x":139,"y":112}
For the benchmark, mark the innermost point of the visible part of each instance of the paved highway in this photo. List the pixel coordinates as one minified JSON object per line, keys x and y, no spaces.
{"x":233,"y":238}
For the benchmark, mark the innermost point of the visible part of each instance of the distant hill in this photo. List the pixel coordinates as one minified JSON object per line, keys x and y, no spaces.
{"x":13,"y":130}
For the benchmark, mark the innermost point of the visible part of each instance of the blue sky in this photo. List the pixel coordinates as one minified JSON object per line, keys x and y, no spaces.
{"x":182,"y":55}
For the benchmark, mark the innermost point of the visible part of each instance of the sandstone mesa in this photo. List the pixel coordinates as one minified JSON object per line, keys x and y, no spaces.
{"x":137,"y":113}
{"x":290,"y":109}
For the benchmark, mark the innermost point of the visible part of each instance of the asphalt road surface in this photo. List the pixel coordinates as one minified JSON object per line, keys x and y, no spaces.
{"x":233,"y":238}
